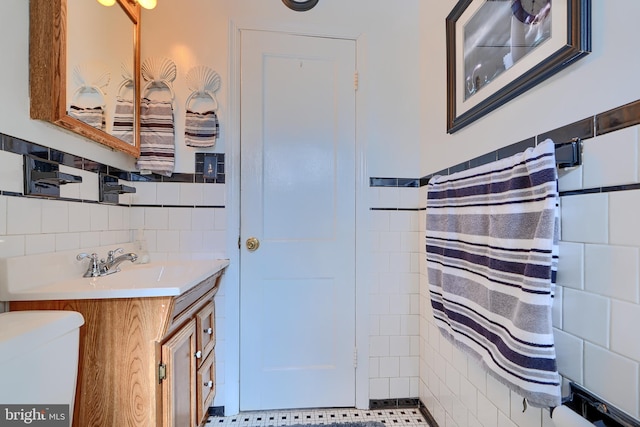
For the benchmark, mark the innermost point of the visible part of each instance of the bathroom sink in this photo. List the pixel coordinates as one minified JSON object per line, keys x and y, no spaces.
{"x":52,"y":281}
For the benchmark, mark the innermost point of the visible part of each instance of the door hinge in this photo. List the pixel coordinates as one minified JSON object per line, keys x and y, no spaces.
{"x":239,"y":243}
{"x":355,"y":80}
{"x":355,"y":357}
{"x":162,"y":372}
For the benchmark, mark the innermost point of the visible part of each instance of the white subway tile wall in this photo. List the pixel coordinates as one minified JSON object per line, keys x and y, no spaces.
{"x":596,"y":307}
{"x":394,"y":346}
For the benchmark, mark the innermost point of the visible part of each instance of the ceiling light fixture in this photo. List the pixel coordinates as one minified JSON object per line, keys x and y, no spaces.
{"x":147,"y":4}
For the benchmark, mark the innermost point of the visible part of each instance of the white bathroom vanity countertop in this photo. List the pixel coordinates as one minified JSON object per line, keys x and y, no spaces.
{"x":162,"y":278}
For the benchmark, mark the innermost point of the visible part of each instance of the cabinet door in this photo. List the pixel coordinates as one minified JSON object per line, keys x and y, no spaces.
{"x":178,"y":389}
{"x":206,"y":329}
{"x":206,"y":385}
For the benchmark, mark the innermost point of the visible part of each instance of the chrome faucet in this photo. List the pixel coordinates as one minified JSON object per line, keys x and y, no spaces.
{"x":112,"y":264}
{"x":104,"y":267}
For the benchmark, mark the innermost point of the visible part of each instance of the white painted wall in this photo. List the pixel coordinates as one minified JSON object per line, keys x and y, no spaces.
{"x":389,"y":71}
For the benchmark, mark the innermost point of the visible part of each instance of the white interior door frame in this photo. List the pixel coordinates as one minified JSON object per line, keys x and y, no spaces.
{"x":229,"y":394}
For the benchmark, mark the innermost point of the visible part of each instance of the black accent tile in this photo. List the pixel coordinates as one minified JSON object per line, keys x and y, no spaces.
{"x":119,"y":173}
{"x":459,"y":167}
{"x":179,"y":177}
{"x":93,"y":166}
{"x":618,"y":118}
{"x":19,"y":146}
{"x":145,"y":178}
{"x":408,"y":182}
{"x":582,"y":129}
{"x":383,"y":182}
{"x":425,"y":180}
{"x":516,"y":148}
{"x":216,"y":411}
{"x":483,"y":160}
{"x":65,"y":159}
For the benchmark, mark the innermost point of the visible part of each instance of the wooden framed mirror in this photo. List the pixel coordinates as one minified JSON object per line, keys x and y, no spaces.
{"x":80,"y":55}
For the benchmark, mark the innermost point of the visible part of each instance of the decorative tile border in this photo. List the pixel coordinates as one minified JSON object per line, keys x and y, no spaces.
{"x":618,"y":118}
{"x":19,"y":146}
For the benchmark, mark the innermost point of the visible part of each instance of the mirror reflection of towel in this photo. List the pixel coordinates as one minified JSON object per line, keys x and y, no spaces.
{"x":201,"y":129}
{"x":93,"y":116}
{"x":123,"y":120}
{"x":157,"y":141}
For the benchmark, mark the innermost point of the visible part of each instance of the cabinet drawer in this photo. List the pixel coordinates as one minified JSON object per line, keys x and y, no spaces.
{"x":206,"y":385}
{"x":205,"y":324}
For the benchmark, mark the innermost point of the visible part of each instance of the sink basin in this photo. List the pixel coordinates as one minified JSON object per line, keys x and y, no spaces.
{"x":52,"y":281}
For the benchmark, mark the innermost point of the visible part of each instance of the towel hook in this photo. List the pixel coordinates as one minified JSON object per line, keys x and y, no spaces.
{"x":203,"y":82}
{"x":158,"y":72}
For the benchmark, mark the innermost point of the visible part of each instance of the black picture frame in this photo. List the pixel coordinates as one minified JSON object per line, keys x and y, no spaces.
{"x":482,"y":32}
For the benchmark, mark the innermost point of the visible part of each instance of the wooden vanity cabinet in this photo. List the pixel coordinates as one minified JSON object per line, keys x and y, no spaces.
{"x":146,"y":361}
{"x":187,"y":363}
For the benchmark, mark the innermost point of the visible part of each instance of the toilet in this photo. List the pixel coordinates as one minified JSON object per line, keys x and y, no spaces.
{"x":39,"y":357}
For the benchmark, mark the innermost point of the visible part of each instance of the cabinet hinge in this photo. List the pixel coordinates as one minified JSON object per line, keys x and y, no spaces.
{"x":162,"y":372}
{"x":355,"y":357}
{"x":355,"y":80}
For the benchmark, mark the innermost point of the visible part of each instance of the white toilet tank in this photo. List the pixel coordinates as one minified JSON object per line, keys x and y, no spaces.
{"x":39,"y":357}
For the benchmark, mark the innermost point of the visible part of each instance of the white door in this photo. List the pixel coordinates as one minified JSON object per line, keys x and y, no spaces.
{"x":297,"y":296}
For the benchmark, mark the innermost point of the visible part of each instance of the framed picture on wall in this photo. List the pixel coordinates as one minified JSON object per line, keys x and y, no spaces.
{"x":498,"y":49}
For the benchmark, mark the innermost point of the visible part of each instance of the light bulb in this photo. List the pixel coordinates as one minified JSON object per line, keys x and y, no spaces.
{"x":107,"y":2}
{"x":148,"y":4}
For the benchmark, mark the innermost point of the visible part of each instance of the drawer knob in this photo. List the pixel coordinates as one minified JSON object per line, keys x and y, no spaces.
{"x":198,"y":354}
{"x":209,"y":331}
{"x":208,"y":384}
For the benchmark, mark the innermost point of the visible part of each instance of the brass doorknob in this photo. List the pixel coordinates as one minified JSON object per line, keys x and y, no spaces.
{"x":252,"y":244}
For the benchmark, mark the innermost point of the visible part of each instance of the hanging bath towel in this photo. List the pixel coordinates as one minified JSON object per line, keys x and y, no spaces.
{"x":491,"y":244}
{"x":157,"y":141}
{"x":123,"y":121}
{"x":93,"y":116}
{"x":201,"y":129}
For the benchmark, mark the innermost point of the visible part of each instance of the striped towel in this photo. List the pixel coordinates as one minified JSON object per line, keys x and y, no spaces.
{"x":93,"y":116}
{"x":201,"y":129}
{"x":123,"y":120}
{"x":157,"y":141}
{"x":492,"y":252}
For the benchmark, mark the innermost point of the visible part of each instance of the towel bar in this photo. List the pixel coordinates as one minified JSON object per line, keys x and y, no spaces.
{"x":569,"y":154}
{"x":110,"y":189}
{"x":43,"y":177}
{"x":597,"y":410}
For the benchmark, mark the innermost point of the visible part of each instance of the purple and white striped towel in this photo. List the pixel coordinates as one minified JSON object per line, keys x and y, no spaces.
{"x":492,"y":252}
{"x":123,"y":120}
{"x":157,"y":140}
{"x":93,"y":116}
{"x":201,"y":129}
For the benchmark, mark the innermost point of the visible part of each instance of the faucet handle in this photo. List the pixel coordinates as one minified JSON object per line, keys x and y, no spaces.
{"x":94,"y":267}
{"x":111,"y":254}
{"x":93,"y":257}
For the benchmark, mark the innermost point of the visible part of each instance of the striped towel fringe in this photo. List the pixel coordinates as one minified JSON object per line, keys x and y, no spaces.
{"x":201,"y":129}
{"x":492,"y":254}
{"x":157,"y":141}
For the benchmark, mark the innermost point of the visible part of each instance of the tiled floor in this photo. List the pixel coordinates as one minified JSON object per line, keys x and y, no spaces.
{"x":409,"y":417}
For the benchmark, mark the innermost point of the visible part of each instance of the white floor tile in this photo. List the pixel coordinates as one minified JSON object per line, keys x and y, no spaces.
{"x":408,"y":417}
